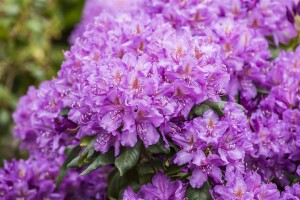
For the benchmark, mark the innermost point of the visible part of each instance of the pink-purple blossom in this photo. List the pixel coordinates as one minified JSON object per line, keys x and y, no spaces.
{"x":161,"y":188}
{"x":35,"y":178}
{"x":200,"y":77}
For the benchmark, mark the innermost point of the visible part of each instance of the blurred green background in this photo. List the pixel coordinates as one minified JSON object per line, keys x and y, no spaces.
{"x":33,"y":34}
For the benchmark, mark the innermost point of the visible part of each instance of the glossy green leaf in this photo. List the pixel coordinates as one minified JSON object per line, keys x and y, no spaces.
{"x":275,"y":51}
{"x":174,"y":169}
{"x":159,"y":147}
{"x":145,"y":168}
{"x":73,"y":163}
{"x":147,"y":178}
{"x":84,"y":154}
{"x":64,"y":112}
{"x":85,"y":141}
{"x":99,"y":161}
{"x":216,"y":106}
{"x":198,"y":194}
{"x":64,"y":169}
{"x":117,"y":183}
{"x":128,"y":158}
{"x":198,"y":111}
{"x":151,"y":167}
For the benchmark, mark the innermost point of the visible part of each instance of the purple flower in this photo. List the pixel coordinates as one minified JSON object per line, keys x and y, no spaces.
{"x":291,"y":192}
{"x":39,"y":123}
{"x":276,"y":122}
{"x":274,"y":138}
{"x":284,"y":69}
{"x":124,"y":92}
{"x":247,"y":186}
{"x":211,"y":142}
{"x":245,"y":53}
{"x":262,"y":17}
{"x":94,"y":8}
{"x":92,"y":186}
{"x":135,"y":71}
{"x":204,"y":167}
{"x":35,"y":179}
{"x":161,"y":188}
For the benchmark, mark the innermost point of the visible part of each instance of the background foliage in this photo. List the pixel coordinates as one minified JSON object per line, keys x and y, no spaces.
{"x":33,"y":34}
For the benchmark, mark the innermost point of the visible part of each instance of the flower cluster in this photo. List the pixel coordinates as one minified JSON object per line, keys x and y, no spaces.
{"x":210,"y":143}
{"x":124,"y":92}
{"x":39,"y":122}
{"x":291,"y":192}
{"x":161,"y":188}
{"x":94,"y":8}
{"x":28,"y":179}
{"x":187,"y":94}
{"x":247,"y":186}
{"x":257,"y":14}
{"x":239,"y":31}
{"x":276,"y":122}
{"x":35,"y":179}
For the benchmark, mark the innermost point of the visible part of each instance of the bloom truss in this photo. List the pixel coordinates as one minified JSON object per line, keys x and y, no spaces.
{"x":167,"y":99}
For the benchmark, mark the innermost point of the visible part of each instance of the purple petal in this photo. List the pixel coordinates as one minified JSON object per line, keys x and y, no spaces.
{"x":128,"y":138}
{"x":198,"y":178}
{"x":183,"y":157}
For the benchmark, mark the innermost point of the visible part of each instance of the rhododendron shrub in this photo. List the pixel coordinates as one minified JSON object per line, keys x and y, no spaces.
{"x":167,"y":100}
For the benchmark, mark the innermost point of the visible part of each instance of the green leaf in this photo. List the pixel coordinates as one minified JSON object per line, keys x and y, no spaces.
{"x":101,"y":160}
{"x":64,"y":112}
{"x":181,"y":175}
{"x":174,"y":169}
{"x":73,"y":163}
{"x":296,"y":179}
{"x":35,"y":25}
{"x":85,"y":141}
{"x":63,"y":170}
{"x":275,"y":52}
{"x":200,"y":110}
{"x":292,"y":177}
{"x":87,"y":159}
{"x":216,"y":106}
{"x":145,"y":168}
{"x":197,"y":194}
{"x":91,"y":153}
{"x":135,"y":186}
{"x":150,"y":167}
{"x":237,"y":98}
{"x":291,"y":46}
{"x":219,"y":106}
{"x":117,"y":183}
{"x":146,"y":178}
{"x":224,"y":98}
{"x":84,"y":154}
{"x":159,"y":147}
{"x":128,"y":159}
